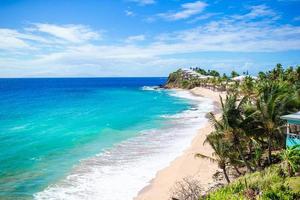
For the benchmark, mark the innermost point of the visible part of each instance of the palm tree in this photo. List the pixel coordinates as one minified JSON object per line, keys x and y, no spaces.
{"x":220,"y":152}
{"x":248,"y":87}
{"x":291,"y":159}
{"x":234,"y":74}
{"x":255,"y":135}
{"x":258,"y":152}
{"x":271,"y":104}
{"x":232,"y":123}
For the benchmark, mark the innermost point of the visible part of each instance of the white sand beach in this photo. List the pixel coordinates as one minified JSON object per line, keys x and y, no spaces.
{"x":185,"y":165}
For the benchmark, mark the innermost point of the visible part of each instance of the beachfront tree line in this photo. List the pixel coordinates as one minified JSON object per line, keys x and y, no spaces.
{"x":215,"y":73}
{"x":249,"y":129}
{"x":224,"y":82}
{"x":249,"y":134}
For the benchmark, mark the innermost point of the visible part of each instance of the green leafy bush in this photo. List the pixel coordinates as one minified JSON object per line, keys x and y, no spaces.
{"x":268,"y":184}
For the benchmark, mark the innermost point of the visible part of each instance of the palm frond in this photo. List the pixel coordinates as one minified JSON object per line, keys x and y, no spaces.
{"x":211,"y":159}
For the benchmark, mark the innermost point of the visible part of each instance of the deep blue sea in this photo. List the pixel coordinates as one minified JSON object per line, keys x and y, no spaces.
{"x":90,"y":138}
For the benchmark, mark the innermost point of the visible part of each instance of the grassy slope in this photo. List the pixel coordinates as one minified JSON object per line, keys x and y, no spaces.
{"x":267,"y":184}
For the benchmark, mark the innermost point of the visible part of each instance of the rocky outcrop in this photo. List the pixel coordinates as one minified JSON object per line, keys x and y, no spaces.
{"x":182,"y":78}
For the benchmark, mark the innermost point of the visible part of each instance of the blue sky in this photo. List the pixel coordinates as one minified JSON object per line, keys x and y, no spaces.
{"x":70,"y":38}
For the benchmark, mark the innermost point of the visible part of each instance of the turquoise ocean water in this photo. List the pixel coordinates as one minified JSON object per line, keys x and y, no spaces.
{"x":56,"y":135}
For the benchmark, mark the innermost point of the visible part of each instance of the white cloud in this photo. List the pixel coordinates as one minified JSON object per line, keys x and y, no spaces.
{"x":10,"y":39}
{"x":129,"y":13}
{"x":40,"y":35}
{"x":144,"y":2}
{"x":203,"y":17}
{"x":227,"y":36}
{"x":258,"y":11}
{"x":187,"y":10}
{"x":75,"y":53}
{"x":71,"y":33}
{"x":135,"y":38}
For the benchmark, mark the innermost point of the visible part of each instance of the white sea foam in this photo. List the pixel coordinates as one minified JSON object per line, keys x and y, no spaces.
{"x":186,"y":95}
{"x":151,"y":88}
{"x":19,"y":127}
{"x":122,"y":171}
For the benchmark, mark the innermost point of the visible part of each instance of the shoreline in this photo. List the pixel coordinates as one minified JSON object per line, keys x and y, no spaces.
{"x":186,"y":165}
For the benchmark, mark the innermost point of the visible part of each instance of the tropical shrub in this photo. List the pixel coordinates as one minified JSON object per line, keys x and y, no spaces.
{"x":267,"y":184}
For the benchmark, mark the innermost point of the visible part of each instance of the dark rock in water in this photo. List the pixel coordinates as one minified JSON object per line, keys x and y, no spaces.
{"x":159,"y":87}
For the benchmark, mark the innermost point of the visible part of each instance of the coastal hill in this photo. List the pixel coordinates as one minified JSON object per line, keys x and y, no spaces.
{"x":189,"y":78}
{"x":198,"y":77}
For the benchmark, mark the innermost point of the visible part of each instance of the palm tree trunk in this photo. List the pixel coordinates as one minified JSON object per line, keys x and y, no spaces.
{"x":250,"y":148}
{"x":243,"y":158}
{"x":225,"y":174}
{"x":239,"y":148}
{"x":259,"y":165}
{"x":290,"y":170}
{"x":237,"y":170}
{"x":269,"y":149}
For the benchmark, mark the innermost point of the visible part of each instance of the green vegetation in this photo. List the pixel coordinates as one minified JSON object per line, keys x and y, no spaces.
{"x":249,"y":133}
{"x":206,"y":73}
{"x":214,"y":81}
{"x":180,"y":79}
{"x":291,"y":159}
{"x":219,"y":155}
{"x":267,"y":184}
{"x":177,"y":80}
{"x":234,"y":74}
